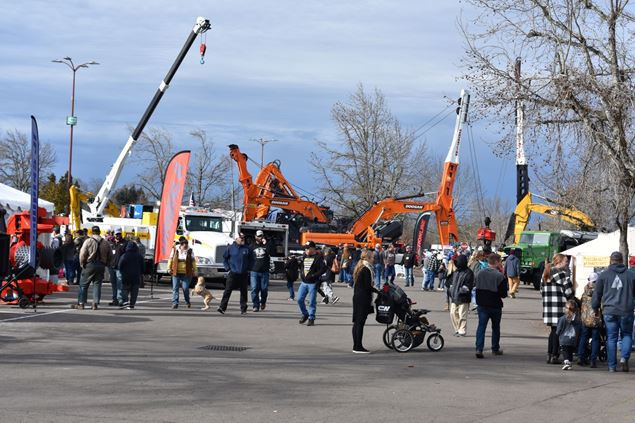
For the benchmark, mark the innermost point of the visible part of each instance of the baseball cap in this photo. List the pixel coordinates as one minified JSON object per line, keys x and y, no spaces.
{"x":593,"y":277}
{"x":631,"y":261}
{"x":617,"y":256}
{"x":309,"y":244}
{"x":260,"y":233}
{"x":117,"y":230}
{"x":95,"y":230}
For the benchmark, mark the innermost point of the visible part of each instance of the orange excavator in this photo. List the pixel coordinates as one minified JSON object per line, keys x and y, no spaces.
{"x":271,"y":189}
{"x":362,"y":232}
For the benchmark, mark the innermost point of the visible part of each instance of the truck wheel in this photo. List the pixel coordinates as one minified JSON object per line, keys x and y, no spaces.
{"x":537,"y":279}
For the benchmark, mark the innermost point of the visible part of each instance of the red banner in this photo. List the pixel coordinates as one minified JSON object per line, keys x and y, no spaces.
{"x":171,"y":198}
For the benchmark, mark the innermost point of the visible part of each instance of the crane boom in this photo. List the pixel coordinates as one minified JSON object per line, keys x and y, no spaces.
{"x":98,"y":205}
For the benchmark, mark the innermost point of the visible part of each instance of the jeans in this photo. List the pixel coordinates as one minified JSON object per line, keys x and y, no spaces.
{"x":115,"y":283}
{"x":259,"y":288}
{"x":389,"y":273}
{"x":69,"y":271}
{"x":410,"y":278}
{"x":348,"y":275}
{"x":311,"y":290}
{"x":183,"y":282}
{"x":585,"y":334}
{"x":290,"y":288}
{"x":78,"y":271}
{"x":615,"y":325}
{"x":428,"y":282}
{"x":484,"y":315}
{"x":92,"y":273}
{"x":379,"y":271}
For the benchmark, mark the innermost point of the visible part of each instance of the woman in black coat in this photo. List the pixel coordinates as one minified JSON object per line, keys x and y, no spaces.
{"x":363,"y":279}
{"x":131,"y":268}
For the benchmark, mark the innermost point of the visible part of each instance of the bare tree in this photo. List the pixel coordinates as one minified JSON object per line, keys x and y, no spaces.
{"x":376,"y":158}
{"x":15,"y":160}
{"x":153,"y":153}
{"x":207,"y":173}
{"x":579,"y":92}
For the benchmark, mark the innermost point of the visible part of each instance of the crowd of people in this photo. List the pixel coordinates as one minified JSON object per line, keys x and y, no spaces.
{"x":478,"y":280}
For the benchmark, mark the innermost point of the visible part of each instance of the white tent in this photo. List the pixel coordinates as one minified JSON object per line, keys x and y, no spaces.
{"x":13,"y":200}
{"x":594,"y":255}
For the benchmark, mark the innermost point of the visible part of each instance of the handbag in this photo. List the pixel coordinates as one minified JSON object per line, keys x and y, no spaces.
{"x":335,"y":267}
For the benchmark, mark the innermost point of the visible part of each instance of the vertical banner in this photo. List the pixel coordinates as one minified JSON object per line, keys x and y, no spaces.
{"x":171,"y":198}
{"x":35,"y":178}
{"x":421,"y":229}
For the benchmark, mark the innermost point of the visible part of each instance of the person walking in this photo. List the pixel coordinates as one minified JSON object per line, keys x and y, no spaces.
{"x":556,"y":289}
{"x":362,"y":299}
{"x":378,"y":263}
{"x":615,"y":293}
{"x":93,"y":257}
{"x":70,"y":256}
{"x":491,"y":288}
{"x":311,"y":270}
{"x":568,"y":331}
{"x":409,"y":262}
{"x":79,"y":242}
{"x":130,"y":267}
{"x":345,"y":265}
{"x":461,"y":292}
{"x":118,"y":245}
{"x":512,"y":270}
{"x":291,"y":271}
{"x":182,"y":265}
{"x":237,"y":259}
{"x":259,"y":274}
{"x":389,"y":264}
{"x":591,"y":325}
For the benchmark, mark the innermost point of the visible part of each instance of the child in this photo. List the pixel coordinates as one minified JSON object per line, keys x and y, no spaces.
{"x":291,"y":270}
{"x":591,"y":325}
{"x":568,"y":331}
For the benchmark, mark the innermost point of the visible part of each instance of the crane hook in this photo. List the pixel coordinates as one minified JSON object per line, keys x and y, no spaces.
{"x":202,"y":49}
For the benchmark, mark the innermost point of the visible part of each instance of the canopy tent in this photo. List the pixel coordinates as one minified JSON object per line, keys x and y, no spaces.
{"x":13,"y":200}
{"x":594,"y":255}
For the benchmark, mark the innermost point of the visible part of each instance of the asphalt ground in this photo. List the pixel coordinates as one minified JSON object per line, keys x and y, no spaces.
{"x":152,"y":364}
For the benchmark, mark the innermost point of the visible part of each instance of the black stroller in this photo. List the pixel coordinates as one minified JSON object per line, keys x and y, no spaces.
{"x":411,"y":327}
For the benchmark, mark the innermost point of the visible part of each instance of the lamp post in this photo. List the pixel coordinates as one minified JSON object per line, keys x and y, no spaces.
{"x":72,"y":119}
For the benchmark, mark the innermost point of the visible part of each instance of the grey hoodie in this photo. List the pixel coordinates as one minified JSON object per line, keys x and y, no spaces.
{"x":615,"y":291}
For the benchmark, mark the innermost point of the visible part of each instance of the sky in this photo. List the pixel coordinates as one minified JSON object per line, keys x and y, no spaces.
{"x":273,"y":70}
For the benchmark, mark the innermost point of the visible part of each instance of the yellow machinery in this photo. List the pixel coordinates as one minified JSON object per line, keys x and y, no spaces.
{"x":77,"y":198}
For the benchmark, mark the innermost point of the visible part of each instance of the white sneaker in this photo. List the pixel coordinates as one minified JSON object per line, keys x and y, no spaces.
{"x":567,"y":365}
{"x":364,"y":351}
{"x":335,"y":299}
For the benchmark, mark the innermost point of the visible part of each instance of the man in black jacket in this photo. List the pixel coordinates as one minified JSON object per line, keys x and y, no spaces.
{"x":260,"y":271}
{"x":312,"y":268}
{"x":491,"y":288}
{"x":461,"y":294}
{"x":409,"y":262}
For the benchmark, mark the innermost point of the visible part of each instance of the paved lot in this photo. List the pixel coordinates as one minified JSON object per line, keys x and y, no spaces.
{"x":147,"y":365}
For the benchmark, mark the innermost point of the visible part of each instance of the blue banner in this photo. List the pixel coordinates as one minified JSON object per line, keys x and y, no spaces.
{"x":35,"y":178}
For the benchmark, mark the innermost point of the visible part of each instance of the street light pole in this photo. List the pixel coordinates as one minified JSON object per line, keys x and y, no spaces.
{"x":262,"y":143}
{"x":72,"y":119}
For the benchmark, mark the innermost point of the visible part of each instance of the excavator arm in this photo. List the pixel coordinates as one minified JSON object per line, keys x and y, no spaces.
{"x":526,"y":207}
{"x":271,"y":188}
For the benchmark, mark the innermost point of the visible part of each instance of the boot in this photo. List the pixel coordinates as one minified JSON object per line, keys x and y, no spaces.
{"x":549,"y":358}
{"x":556,"y":360}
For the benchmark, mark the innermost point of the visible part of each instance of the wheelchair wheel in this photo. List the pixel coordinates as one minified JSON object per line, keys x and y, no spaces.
{"x":388,"y":333}
{"x":402,"y":340}
{"x":435,"y":342}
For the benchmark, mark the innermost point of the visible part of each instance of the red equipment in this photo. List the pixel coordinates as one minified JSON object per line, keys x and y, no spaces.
{"x":26,"y":287}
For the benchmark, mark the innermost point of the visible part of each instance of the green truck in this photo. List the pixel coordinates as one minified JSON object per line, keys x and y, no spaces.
{"x":536,"y":247}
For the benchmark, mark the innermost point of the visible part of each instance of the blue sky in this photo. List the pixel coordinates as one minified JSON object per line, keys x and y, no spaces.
{"x":273,"y":70}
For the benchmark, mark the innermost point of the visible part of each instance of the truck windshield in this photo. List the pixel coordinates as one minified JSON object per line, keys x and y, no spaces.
{"x":535,"y":239}
{"x":203,"y":223}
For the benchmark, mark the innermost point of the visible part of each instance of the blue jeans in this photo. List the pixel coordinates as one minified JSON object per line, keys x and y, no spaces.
{"x":115,"y":283}
{"x":259,"y":288}
{"x":290,"y":288}
{"x":311,"y":290}
{"x":428,"y":281}
{"x":183,"y":282}
{"x":585,"y":334}
{"x":484,"y":315}
{"x":614,"y":326}
{"x":69,"y":271}
{"x":389,"y":273}
{"x":379,"y":271}
{"x":410,"y":278}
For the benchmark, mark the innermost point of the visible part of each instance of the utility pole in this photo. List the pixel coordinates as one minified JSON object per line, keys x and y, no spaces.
{"x":262,"y":143}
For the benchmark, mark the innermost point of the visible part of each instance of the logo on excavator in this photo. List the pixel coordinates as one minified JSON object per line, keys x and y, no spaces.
{"x":413,"y":206}
{"x":279,"y":203}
